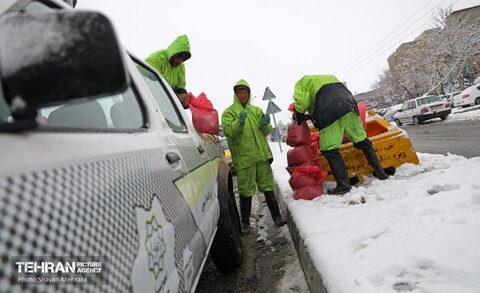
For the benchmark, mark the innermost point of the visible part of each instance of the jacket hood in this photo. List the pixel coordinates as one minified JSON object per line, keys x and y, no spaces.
{"x":179,"y":45}
{"x":241,"y":82}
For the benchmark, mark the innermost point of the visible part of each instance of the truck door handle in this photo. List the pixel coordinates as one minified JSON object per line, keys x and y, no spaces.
{"x":200,"y":149}
{"x":172,"y":158}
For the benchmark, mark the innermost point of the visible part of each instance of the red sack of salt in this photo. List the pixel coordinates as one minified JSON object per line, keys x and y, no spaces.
{"x":299,"y":155}
{"x":308,"y":192}
{"x":298,"y":135}
{"x":204,"y":116}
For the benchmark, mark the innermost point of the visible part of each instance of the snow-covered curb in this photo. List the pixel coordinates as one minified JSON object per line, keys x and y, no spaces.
{"x":419,"y":230}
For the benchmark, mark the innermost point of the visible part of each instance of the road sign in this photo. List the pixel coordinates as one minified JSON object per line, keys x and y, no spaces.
{"x":268,"y":95}
{"x":272,"y":108}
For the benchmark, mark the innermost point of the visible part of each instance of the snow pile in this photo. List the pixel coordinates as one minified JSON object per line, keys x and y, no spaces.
{"x":418,"y":231}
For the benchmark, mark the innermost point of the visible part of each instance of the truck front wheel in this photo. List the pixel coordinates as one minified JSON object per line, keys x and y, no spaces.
{"x":227,"y":249}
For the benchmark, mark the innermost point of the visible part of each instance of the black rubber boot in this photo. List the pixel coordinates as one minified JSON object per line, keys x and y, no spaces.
{"x":369,"y":152}
{"x":274,"y":209}
{"x":245,"y":209}
{"x":339,"y":172}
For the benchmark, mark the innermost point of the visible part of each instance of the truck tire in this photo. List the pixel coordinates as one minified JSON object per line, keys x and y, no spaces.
{"x":227,"y":249}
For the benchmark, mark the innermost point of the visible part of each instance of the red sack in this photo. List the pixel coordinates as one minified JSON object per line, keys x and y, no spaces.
{"x":308,"y":192}
{"x":290,"y":170}
{"x":298,"y":134}
{"x":315,"y":151}
{"x":291,"y":107}
{"x":362,"y":109}
{"x":298,"y":180}
{"x":299,"y":155}
{"x":204,"y":116}
{"x":299,"y":176}
{"x":314,"y":137}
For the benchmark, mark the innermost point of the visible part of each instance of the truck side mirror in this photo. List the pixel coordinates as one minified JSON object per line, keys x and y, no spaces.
{"x":56,"y":57}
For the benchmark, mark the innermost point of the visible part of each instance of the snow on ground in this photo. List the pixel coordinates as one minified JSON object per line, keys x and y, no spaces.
{"x":470,"y":113}
{"x":419,"y":231}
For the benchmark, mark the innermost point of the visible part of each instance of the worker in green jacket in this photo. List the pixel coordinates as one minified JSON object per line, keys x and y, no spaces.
{"x":334,"y":111}
{"x":246,"y":128}
{"x":170,"y":63}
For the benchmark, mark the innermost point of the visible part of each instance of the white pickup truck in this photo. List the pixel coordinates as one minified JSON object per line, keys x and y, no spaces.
{"x":98,"y":160}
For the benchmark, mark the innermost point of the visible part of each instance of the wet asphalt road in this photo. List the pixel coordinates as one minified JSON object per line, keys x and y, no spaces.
{"x":270,"y":263}
{"x":442,"y":137}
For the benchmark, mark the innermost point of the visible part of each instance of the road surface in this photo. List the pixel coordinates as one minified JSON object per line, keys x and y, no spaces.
{"x":441,"y":137}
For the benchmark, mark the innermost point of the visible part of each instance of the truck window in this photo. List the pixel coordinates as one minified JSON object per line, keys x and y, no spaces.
{"x":120,"y":111}
{"x":37,"y":7}
{"x":163,"y":99}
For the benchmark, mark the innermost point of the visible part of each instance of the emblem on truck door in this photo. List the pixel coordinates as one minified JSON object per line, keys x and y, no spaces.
{"x":155,"y":246}
{"x":154,"y":268}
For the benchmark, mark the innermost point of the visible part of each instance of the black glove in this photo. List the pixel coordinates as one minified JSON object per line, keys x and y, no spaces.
{"x":300,"y":117}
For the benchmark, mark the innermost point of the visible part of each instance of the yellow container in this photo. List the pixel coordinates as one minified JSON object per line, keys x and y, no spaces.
{"x":392,"y":146}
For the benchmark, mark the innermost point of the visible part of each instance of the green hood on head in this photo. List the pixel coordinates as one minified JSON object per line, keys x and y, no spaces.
{"x":241,"y":82}
{"x":180,"y":45}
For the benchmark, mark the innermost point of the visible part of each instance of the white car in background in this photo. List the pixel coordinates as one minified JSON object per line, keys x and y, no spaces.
{"x":391,"y":111}
{"x":449,"y":98}
{"x":418,"y":110}
{"x":469,"y":96}
{"x":477,"y":80}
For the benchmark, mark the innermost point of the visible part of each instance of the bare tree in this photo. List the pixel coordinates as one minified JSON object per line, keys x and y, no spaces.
{"x":390,"y":89}
{"x":417,"y":70}
{"x":439,"y":54}
{"x":458,"y":44}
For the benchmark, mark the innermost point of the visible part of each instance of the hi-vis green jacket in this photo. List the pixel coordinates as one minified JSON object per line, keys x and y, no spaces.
{"x":325,"y":98}
{"x":306,"y":89}
{"x":160,"y":60}
{"x":248,"y":143}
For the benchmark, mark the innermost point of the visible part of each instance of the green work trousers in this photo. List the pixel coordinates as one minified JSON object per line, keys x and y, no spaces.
{"x":259,"y":175}
{"x":331,"y":136}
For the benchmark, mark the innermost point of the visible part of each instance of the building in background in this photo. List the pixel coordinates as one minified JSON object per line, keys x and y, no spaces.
{"x":470,"y":70}
{"x":373,"y":99}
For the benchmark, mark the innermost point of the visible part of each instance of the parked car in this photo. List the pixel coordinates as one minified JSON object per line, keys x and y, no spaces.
{"x":469,"y":96}
{"x":99,"y":160}
{"x":477,"y":80}
{"x":391,"y":111}
{"x":449,"y":98}
{"x":382,"y":111}
{"x":421,"y":109}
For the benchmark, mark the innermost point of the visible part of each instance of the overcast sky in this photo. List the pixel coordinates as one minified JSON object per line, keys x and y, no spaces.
{"x":273,"y":42}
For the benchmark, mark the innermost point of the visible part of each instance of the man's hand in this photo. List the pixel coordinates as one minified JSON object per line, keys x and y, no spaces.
{"x":184,"y":99}
{"x":242,"y":117}
{"x":300,"y":117}
{"x":264,"y":120}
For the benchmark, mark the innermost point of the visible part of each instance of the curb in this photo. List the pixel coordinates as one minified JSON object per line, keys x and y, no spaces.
{"x":312,"y":275}
{"x":468,"y":109}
